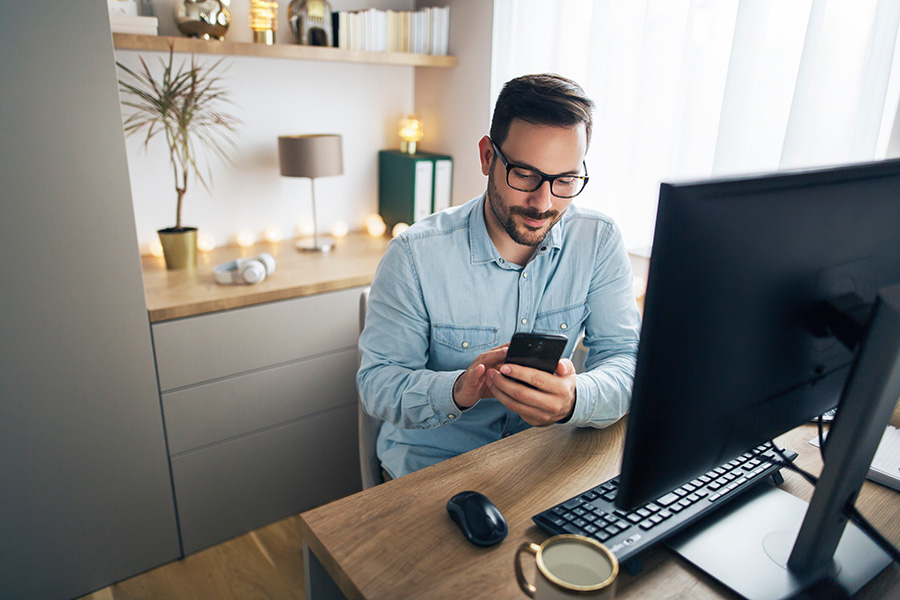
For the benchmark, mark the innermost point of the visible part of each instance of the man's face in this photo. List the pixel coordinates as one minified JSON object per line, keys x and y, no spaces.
{"x":527,"y":217}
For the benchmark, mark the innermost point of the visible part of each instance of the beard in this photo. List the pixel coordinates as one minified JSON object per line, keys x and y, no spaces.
{"x":520,"y":233}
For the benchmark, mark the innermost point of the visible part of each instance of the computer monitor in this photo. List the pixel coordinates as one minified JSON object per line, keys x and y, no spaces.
{"x":749,"y":278}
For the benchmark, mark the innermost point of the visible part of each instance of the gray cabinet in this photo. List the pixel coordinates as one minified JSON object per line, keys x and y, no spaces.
{"x":260,"y":412}
{"x":85,"y":489}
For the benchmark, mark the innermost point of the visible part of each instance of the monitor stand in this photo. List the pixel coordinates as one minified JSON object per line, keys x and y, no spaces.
{"x":746,"y":546}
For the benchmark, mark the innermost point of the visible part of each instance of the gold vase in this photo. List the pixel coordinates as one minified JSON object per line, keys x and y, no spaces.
{"x":179,"y":247}
{"x":205,"y":19}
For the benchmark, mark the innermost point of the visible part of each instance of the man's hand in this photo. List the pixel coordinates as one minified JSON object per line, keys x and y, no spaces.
{"x":471,"y":385}
{"x":553,"y":399}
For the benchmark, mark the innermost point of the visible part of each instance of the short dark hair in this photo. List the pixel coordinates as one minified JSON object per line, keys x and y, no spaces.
{"x":544,"y":99}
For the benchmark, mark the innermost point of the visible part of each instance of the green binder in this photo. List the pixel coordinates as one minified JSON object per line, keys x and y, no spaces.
{"x":412,"y":186}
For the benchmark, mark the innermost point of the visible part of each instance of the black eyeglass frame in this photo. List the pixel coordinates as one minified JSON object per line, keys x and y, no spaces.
{"x":544,"y":177}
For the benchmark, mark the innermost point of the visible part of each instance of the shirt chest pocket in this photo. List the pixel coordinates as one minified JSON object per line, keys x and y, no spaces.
{"x":566,"y":321}
{"x":465,"y":339}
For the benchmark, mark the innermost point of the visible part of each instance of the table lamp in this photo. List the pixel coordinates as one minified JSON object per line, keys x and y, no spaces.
{"x":410,"y":133}
{"x":318,"y":155}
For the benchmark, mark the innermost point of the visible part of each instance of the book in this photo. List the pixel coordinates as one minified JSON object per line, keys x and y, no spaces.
{"x":885,"y":467}
{"x":133,"y":24}
{"x":412,"y":186}
{"x":123,"y":7}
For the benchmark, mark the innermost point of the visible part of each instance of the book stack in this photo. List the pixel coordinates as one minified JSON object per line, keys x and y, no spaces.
{"x":425,"y":31}
{"x":133,"y":24}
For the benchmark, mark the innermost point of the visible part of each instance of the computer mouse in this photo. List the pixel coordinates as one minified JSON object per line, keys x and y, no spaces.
{"x":477,"y":517}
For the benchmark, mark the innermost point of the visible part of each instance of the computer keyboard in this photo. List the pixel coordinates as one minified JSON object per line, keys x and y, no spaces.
{"x":628,"y":532}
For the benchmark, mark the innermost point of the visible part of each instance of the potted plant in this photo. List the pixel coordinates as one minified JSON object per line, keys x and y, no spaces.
{"x":183,"y":105}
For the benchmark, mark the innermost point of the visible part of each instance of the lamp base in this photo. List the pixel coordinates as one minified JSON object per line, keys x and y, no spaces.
{"x":265,"y":36}
{"x":321,"y":245}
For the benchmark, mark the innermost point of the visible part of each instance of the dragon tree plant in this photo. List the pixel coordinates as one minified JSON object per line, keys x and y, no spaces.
{"x":182,"y":105}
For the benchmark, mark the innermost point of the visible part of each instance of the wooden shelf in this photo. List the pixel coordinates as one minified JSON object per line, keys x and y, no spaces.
{"x":128,"y":41}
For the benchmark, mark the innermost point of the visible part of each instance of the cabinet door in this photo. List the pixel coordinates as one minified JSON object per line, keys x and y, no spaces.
{"x":233,"y":487}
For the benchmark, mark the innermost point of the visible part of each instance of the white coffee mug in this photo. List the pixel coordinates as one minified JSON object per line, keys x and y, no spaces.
{"x":569,"y":566}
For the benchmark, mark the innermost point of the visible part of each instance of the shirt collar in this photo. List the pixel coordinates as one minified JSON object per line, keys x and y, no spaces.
{"x":483,"y":249}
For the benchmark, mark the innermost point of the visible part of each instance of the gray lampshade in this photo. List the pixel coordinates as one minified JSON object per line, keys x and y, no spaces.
{"x":318,"y":155}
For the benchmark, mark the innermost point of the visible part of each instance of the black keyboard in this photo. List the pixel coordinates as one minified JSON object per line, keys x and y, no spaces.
{"x":628,"y":532}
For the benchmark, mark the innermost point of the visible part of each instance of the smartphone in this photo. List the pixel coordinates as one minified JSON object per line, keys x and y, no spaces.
{"x":536,"y":350}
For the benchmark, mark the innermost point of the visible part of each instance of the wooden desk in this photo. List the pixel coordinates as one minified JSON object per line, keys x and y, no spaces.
{"x":397,"y":541}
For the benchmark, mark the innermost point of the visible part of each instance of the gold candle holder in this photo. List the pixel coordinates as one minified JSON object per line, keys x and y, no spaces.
{"x":264,"y":21}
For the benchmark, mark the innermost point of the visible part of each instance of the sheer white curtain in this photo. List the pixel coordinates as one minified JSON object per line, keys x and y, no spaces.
{"x":691,"y":89}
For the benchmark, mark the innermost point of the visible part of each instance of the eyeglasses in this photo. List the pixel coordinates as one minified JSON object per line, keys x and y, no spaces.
{"x":525,"y":179}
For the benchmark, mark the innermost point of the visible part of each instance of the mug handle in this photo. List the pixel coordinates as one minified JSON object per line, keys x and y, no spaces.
{"x":529,"y":589}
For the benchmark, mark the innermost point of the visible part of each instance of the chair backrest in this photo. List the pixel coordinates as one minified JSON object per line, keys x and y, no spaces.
{"x":369,"y":426}
{"x":579,"y":355}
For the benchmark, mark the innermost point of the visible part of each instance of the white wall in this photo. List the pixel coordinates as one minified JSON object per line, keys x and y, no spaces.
{"x":277,"y":97}
{"x":455,"y":104}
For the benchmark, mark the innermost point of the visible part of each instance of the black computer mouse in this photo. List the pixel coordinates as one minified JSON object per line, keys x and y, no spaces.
{"x":477,"y":517}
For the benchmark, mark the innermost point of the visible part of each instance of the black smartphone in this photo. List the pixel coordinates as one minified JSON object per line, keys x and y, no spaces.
{"x":536,"y":350}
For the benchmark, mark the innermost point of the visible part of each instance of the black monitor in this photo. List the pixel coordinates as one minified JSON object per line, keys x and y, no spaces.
{"x":760,"y":295}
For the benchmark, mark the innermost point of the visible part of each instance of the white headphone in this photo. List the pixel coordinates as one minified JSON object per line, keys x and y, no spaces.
{"x":245,"y":270}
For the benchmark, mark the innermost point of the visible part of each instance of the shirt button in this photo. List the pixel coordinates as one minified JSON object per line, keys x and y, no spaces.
{"x":465,"y":344}
{"x":563,"y":326}
{"x":525,"y":275}
{"x":451,"y":416}
{"x":524,"y":321}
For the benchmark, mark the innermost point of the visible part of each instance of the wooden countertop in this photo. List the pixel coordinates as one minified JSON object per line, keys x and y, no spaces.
{"x":172,"y":294}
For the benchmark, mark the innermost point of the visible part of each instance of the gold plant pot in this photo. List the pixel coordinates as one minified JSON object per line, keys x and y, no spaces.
{"x":179,"y":247}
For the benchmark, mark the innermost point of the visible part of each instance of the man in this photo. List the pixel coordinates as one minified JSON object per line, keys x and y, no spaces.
{"x":451,"y":291}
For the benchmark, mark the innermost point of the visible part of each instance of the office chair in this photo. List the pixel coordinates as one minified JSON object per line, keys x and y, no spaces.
{"x":369,"y":426}
{"x":579,"y":355}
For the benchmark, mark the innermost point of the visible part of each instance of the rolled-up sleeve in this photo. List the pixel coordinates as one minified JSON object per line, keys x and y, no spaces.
{"x":612,"y":331}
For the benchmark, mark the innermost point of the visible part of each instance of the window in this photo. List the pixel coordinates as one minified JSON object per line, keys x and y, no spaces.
{"x":690,"y":89}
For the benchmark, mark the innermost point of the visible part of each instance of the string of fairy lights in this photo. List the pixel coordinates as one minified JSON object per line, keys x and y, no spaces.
{"x":373,"y":224}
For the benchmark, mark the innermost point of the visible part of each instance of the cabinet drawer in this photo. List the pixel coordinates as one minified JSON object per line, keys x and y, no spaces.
{"x":207,"y":347}
{"x":230,"y":488}
{"x":227,"y":408}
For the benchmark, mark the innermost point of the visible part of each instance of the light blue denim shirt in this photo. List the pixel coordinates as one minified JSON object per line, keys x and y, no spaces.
{"x":442,"y":295}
